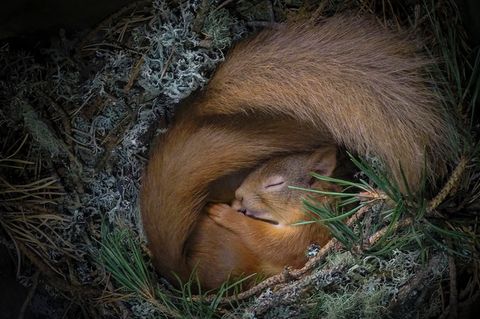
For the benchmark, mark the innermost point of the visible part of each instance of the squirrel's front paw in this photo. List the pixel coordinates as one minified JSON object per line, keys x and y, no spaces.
{"x":222,"y":214}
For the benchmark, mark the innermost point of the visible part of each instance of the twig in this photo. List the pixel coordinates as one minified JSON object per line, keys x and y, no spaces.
{"x":134,"y":74}
{"x":167,"y":63}
{"x":22,"y":143}
{"x":358,"y":215}
{"x":379,"y":234}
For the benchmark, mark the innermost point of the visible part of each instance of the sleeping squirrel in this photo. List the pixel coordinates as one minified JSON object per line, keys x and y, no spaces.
{"x":345,"y":81}
{"x":257,"y":233}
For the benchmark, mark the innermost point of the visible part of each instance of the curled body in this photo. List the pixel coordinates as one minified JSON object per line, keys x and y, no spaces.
{"x":345,"y":81}
{"x":259,"y":234}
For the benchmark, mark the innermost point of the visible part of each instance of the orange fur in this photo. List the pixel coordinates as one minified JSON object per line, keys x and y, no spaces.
{"x":229,"y":244}
{"x":346,"y":82}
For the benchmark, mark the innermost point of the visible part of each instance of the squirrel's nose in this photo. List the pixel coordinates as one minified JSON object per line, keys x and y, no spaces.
{"x":239,"y":195}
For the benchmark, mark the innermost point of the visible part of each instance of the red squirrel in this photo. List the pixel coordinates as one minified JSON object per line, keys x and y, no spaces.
{"x":257,"y":233}
{"x":344,"y":81}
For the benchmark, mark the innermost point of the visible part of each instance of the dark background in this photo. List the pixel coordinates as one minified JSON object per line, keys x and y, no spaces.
{"x":38,"y":19}
{"x":30,"y":19}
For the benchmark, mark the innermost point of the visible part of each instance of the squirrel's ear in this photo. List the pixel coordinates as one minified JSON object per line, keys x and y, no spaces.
{"x":324,"y":160}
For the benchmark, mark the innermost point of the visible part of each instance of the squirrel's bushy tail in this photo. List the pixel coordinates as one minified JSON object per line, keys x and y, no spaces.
{"x":349,"y":76}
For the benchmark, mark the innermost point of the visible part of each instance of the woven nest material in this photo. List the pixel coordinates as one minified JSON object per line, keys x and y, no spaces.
{"x":77,"y":120}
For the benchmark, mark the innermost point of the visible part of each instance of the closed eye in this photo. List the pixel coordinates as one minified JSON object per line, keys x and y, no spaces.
{"x":275,"y":184}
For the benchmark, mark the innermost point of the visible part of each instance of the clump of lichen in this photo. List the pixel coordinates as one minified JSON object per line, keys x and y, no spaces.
{"x":373,"y":282}
{"x":217,"y":27}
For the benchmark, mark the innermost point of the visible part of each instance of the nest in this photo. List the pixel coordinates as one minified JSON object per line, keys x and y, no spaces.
{"x":77,"y":121}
